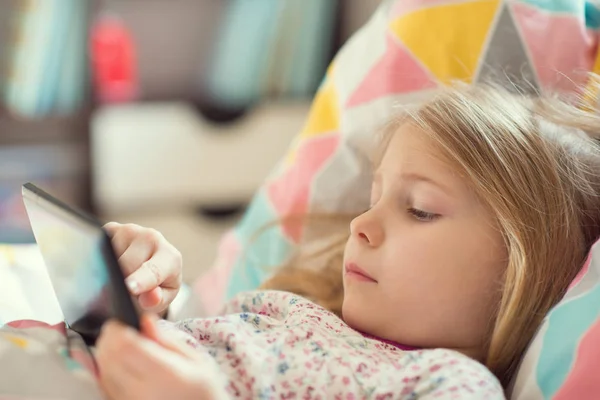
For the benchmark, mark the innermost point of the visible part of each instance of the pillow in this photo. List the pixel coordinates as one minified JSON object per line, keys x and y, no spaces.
{"x":400,"y":56}
{"x":563,"y":360}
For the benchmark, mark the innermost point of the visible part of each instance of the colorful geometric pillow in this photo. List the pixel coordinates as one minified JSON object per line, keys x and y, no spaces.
{"x":401,"y":55}
{"x":563,"y":361}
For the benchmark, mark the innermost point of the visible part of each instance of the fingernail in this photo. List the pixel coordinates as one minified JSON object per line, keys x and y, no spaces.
{"x":133,"y":286}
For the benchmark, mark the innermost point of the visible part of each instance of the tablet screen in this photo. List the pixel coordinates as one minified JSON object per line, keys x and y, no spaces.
{"x":77,"y":254}
{"x":73,"y":256}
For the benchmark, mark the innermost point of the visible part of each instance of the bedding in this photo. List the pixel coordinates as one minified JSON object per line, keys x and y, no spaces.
{"x":268,"y":345}
{"x":26,"y":289}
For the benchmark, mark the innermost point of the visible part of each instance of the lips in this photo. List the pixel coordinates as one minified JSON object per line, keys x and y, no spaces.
{"x":354,"y":271}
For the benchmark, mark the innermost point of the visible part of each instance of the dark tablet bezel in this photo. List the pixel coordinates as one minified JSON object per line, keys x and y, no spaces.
{"x":122,"y":304}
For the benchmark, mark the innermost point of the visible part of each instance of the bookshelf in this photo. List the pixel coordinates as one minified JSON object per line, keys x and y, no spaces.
{"x":19,"y":131}
{"x":44,"y":112}
{"x":173,"y":42}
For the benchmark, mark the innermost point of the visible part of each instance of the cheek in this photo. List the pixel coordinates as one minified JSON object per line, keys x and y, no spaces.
{"x":474,"y":261}
{"x":448,"y":262}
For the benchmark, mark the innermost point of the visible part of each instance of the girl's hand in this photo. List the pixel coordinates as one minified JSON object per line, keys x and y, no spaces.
{"x":151,"y":265}
{"x":150,"y":365}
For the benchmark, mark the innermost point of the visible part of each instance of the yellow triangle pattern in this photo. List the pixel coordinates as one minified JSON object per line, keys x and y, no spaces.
{"x":596,"y":68}
{"x":324,"y":116}
{"x":17,"y":341}
{"x":591,"y":94}
{"x":448,"y":39}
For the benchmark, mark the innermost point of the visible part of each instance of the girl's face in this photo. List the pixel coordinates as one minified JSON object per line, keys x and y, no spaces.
{"x":424,"y":266}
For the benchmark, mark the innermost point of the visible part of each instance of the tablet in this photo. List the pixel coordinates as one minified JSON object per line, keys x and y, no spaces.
{"x":81,"y":264}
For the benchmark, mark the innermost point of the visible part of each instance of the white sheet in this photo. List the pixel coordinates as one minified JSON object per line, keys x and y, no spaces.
{"x":26,"y":289}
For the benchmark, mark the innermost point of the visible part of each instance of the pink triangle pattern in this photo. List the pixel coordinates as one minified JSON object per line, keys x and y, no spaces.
{"x":559,"y":67}
{"x":396,"y":72}
{"x":405,"y":7}
{"x":210,"y":287}
{"x":311,"y":156}
{"x":582,"y":383}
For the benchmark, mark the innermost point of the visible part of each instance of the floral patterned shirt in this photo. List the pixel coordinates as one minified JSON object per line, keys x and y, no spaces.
{"x":275,"y":345}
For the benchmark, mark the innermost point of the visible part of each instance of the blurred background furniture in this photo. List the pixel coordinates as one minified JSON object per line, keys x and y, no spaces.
{"x":189,"y":135}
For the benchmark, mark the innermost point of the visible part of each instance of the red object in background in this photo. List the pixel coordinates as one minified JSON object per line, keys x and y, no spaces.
{"x":113,"y":60}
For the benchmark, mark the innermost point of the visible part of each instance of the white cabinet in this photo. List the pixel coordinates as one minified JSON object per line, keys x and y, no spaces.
{"x":147,"y":156}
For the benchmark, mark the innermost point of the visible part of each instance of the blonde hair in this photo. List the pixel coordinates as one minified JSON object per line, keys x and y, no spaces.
{"x":532,"y":162}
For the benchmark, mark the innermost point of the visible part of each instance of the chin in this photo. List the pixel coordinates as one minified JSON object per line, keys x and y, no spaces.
{"x":354,"y":315}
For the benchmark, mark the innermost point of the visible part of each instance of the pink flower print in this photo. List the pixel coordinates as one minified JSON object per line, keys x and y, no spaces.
{"x":350,"y":396}
{"x":233,"y":388}
{"x":361,"y":367}
{"x":406,"y":390}
{"x":434,"y":368}
{"x":467,"y":388}
{"x":203,"y":338}
{"x":250,"y":384}
{"x":309,"y":393}
{"x":346,"y":380}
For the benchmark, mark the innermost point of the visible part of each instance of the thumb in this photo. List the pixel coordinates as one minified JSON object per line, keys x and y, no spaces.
{"x":149,"y":328}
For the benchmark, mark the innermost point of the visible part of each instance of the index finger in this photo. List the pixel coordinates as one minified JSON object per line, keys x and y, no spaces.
{"x":111,"y":228}
{"x":159,"y":270}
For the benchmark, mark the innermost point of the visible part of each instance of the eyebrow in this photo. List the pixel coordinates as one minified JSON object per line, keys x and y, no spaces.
{"x":416,"y":177}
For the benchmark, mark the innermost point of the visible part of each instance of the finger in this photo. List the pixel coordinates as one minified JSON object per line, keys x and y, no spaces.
{"x":123,"y":347}
{"x":138,"y":252}
{"x":115,"y":377}
{"x":157,"y":300}
{"x":152,"y":301}
{"x":117,"y":382}
{"x":162,"y":269}
{"x":123,"y":236}
{"x":149,"y":328}
{"x":111,"y":228}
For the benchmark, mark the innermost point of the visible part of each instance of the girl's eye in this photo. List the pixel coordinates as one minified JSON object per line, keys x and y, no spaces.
{"x":422,"y":216}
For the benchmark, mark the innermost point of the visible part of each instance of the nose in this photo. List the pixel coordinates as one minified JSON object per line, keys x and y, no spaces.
{"x":368,"y":229}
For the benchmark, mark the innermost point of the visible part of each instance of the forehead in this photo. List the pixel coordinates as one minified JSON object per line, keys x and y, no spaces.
{"x":410,"y":148}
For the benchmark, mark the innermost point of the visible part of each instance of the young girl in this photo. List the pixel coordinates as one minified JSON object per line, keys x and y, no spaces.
{"x":484,"y":205}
